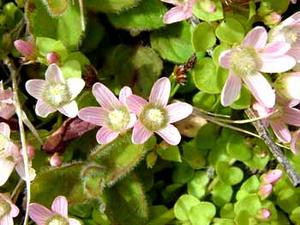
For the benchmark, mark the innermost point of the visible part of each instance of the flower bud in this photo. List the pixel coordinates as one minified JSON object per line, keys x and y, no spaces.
{"x":272,"y":176}
{"x":265,"y":190}
{"x":55,"y":160}
{"x":264,"y":214}
{"x":288,"y":85}
{"x":52,"y":57}
{"x":208,"y":6}
{"x":272,"y":19}
{"x":26,"y":48}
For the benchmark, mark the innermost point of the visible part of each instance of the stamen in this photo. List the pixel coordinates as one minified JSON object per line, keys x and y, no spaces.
{"x":154,"y":118}
{"x":57,"y":95}
{"x":57,"y":220}
{"x":118,"y":119}
{"x":4,"y":208}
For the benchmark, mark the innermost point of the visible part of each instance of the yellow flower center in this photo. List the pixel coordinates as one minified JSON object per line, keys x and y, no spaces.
{"x":118,"y":119}
{"x":290,"y":34}
{"x":57,"y":95}
{"x":4,"y":208}
{"x":245,"y":61}
{"x":57,"y":220}
{"x":153,"y":117}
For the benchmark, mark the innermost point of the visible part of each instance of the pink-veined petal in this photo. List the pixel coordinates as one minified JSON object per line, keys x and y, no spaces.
{"x":140,"y":134}
{"x":274,"y":49}
{"x":4,"y":129}
{"x":105,"y":97}
{"x":256,"y":38}
{"x":36,"y":87}
{"x":281,"y":131}
{"x":75,"y":86}
{"x":7,"y":166}
{"x":14,"y":211}
{"x":260,"y":89}
{"x":136,"y":103}
{"x":54,"y":74}
{"x":39,"y":213}
{"x":93,"y":115}
{"x":124,"y":93}
{"x":225,"y":57}
{"x":231,"y":89}
{"x":6,"y":220}
{"x":160,"y":92}
{"x":173,"y":2}
{"x":178,"y":111}
{"x":261,"y":110}
{"x":292,"y":19}
{"x":295,"y":144}
{"x":105,"y":135}
{"x":177,"y":13}
{"x":131,"y":121}
{"x":70,"y":109}
{"x":74,"y":222}
{"x":60,"y":206}
{"x":295,"y":52}
{"x":292,"y":116}
{"x":170,"y":134}
{"x":42,"y":109}
{"x":277,"y":64}
{"x":7,"y":111}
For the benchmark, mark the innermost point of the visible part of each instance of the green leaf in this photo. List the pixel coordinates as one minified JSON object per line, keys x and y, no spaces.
{"x":193,"y":155}
{"x":229,"y":175}
{"x":221,"y":193}
{"x":227,"y":211}
{"x":175,"y":48}
{"x":238,"y":149}
{"x":205,"y":101}
{"x":250,"y":186}
{"x":183,"y":206}
{"x":56,"y":7}
{"x":230,"y":31}
{"x":66,"y":28}
{"x":295,"y":215}
{"x":205,"y":76}
{"x":71,"y":69}
{"x":202,"y":213}
{"x":126,"y":202}
{"x":244,"y":205}
{"x":111,"y":6}
{"x":171,"y":153}
{"x":208,"y":16}
{"x":203,"y":37}
{"x":182,"y":173}
{"x":197,"y":186}
{"x":146,"y":16}
{"x":244,"y":100}
{"x":47,"y":45}
{"x":118,"y":158}
{"x":207,"y":135}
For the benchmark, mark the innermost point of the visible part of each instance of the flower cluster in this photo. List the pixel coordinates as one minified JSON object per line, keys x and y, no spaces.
{"x":118,"y":115}
{"x":250,"y":62}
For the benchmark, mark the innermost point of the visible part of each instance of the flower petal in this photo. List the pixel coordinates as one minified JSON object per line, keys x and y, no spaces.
{"x":256,"y":38}
{"x":4,"y":129}
{"x":260,"y":89}
{"x":231,"y":89}
{"x":276,"y":48}
{"x":173,"y":2}
{"x":281,"y":131}
{"x":170,"y":134}
{"x":124,"y":93}
{"x":225,"y":57}
{"x":75,"y":86}
{"x":105,"y":135}
{"x":292,"y":116}
{"x":277,"y":64}
{"x":295,"y":147}
{"x":105,"y":97}
{"x":54,"y":74}
{"x":39,"y":213}
{"x":178,"y":111}
{"x":7,"y":111}
{"x":295,"y":52}
{"x":70,"y":109}
{"x":131,"y":121}
{"x":177,"y":13}
{"x":60,"y":206}
{"x":140,"y":134}
{"x":93,"y":115}
{"x":35,"y":87}
{"x":14,"y":211}
{"x":7,"y":166}
{"x":42,"y":109}
{"x":74,"y":222}
{"x":160,"y":92}
{"x":6,"y":220}
{"x":136,"y":103}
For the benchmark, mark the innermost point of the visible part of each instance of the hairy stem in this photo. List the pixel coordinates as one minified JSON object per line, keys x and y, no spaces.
{"x":14,"y":73}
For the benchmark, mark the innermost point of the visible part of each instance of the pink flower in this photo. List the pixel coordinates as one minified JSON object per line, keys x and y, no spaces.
{"x":57,"y":215}
{"x":247,"y":61}
{"x":183,"y":10}
{"x":271,"y":176}
{"x":8,"y":210}
{"x":55,"y":93}
{"x":113,"y":116}
{"x":10,"y":156}
{"x":279,"y":116}
{"x":288,"y":84}
{"x":264,"y":214}
{"x":289,"y":31}
{"x":26,"y":48}
{"x":7,"y":108}
{"x":265,"y":190}
{"x":156,"y":116}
